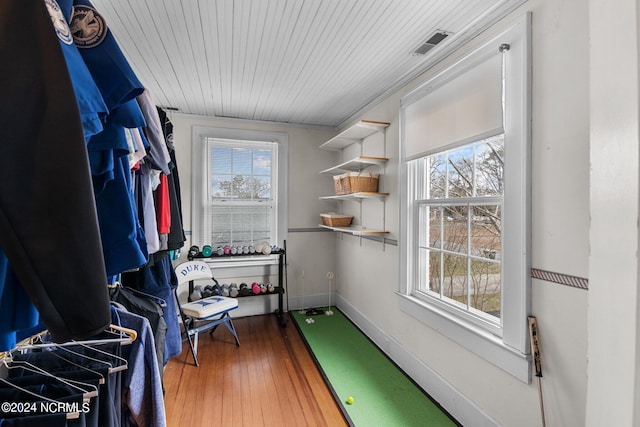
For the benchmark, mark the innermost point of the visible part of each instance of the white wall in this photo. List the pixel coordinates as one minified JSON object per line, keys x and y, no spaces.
{"x":475,"y":391}
{"x":613,"y":392}
{"x":367,"y":272}
{"x":308,"y":250}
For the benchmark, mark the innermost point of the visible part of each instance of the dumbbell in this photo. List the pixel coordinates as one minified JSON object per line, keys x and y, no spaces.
{"x":244,"y":290}
{"x":193,"y":251}
{"x":219,"y":251}
{"x":196,"y":294}
{"x":255,"y":288}
{"x":225,"y":290}
{"x":263,"y":288}
{"x":270,"y":287}
{"x":233,"y":250}
{"x":233,"y":290}
{"x":216,"y":290}
{"x":227,"y":250}
{"x":207,"y":250}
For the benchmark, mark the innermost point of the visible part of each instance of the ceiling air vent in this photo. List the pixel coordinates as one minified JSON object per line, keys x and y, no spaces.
{"x":431,"y":43}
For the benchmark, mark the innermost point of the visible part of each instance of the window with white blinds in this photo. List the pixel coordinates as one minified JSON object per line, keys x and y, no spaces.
{"x":241,"y":202}
{"x":239,"y":187}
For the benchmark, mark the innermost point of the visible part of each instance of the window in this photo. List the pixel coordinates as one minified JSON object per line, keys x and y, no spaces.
{"x":465,"y":206}
{"x":241,"y":204}
{"x":460,"y":227}
{"x":239,"y":181}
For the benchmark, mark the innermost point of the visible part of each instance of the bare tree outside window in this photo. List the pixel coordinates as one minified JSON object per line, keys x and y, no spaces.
{"x":463,"y":207}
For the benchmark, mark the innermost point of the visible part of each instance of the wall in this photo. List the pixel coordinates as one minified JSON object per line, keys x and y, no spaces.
{"x":613,"y":393}
{"x":475,"y":391}
{"x":309,"y":249}
{"x":478,"y":392}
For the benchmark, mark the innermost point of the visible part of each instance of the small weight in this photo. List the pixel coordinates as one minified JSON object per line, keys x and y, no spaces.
{"x":193,"y":251}
{"x":255,"y":287}
{"x":244,"y":290}
{"x":233,"y":290}
{"x":207,"y":250}
{"x":196,"y":294}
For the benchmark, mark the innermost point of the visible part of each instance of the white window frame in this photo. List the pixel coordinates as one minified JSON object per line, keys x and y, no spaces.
{"x":423,"y":199}
{"x":507,"y":347}
{"x":199,"y":153}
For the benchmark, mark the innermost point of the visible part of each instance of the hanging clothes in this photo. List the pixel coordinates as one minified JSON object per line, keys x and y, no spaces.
{"x":123,"y":240}
{"x":124,"y":243}
{"x":87,"y":377}
{"x":107,"y":381}
{"x":92,"y":107}
{"x":47,"y":209}
{"x":148,"y":308}
{"x":158,"y":278}
{"x":158,"y":155}
{"x":143,"y":193}
{"x":18,"y":312}
{"x":176,"y":238}
{"x":142,"y":398}
{"x":109,"y":68}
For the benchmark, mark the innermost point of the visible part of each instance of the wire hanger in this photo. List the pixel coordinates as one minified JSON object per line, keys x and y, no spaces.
{"x":69,"y":415}
{"x":123,"y":366}
{"x":88,"y":390}
{"x":160,"y":301}
{"x":121,"y":335}
{"x":84,"y":368}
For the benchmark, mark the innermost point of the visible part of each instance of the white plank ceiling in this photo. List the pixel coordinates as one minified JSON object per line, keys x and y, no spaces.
{"x":310,"y":62}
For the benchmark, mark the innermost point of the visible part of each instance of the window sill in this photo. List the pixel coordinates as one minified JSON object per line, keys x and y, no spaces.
{"x":478,"y":341}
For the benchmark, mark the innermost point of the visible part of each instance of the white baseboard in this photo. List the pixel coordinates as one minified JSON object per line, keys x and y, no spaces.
{"x":458,"y":405}
{"x":310,"y":301}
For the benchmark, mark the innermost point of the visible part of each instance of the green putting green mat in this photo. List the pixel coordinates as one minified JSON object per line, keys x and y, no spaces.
{"x":354,"y":367}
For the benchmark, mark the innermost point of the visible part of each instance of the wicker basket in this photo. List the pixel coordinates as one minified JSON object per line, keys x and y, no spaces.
{"x":356,"y":182}
{"x":335,"y":220}
{"x":341,"y":185}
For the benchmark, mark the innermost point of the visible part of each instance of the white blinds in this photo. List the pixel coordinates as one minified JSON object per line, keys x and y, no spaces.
{"x":240,"y":200}
{"x":456,"y":110}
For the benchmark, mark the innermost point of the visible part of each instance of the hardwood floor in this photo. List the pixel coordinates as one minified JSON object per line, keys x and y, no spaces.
{"x":269,"y":380}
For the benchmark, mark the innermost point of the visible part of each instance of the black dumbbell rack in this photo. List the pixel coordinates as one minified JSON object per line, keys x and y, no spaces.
{"x":279,"y":290}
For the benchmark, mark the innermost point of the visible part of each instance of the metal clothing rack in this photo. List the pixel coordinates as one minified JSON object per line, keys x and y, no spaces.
{"x":279,"y":290}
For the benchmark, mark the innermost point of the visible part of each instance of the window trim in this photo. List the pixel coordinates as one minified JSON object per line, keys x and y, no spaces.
{"x":511,"y":351}
{"x":199,"y":136}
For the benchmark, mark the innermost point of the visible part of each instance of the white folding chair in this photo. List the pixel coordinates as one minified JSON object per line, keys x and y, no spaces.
{"x":206,"y":313}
